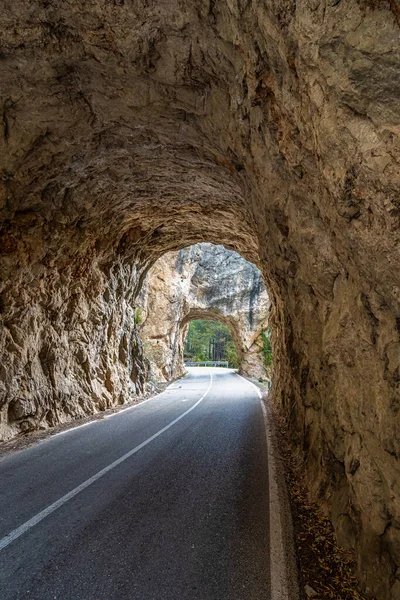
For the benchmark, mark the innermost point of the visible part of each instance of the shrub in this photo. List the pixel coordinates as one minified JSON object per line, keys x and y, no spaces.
{"x":138,"y":315}
{"x":266,"y":349}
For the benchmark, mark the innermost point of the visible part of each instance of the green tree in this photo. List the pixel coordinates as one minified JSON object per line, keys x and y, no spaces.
{"x":231,"y":355}
{"x":210,"y":340}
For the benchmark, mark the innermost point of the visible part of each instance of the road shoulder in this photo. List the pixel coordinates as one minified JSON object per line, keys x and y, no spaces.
{"x":284,"y":570}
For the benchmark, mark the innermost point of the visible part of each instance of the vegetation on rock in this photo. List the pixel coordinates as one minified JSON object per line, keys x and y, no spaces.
{"x":138,"y":316}
{"x":266,"y":350}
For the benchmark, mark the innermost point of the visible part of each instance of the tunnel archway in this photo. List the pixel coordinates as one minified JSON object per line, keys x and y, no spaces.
{"x":209,"y":340}
{"x":125,"y":136}
{"x":248,"y":351}
{"x":208,"y":315}
{"x":203,"y":281}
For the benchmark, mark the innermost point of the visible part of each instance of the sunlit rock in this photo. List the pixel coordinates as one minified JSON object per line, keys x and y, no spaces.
{"x":203,"y":282}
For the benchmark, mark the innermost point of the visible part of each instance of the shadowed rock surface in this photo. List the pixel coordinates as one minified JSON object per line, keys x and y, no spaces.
{"x":203,"y":281}
{"x":134,"y":128}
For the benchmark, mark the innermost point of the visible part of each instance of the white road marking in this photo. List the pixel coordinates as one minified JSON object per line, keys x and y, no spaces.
{"x":279,"y":568}
{"x":105,"y":416}
{"x":13,"y":535}
{"x":72,"y":429}
{"x":124,"y":410}
{"x":252,"y":384}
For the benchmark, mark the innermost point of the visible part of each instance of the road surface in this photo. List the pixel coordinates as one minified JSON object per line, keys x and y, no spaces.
{"x":167,"y":500}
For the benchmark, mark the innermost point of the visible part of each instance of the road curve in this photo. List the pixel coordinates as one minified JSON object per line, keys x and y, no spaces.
{"x":164,"y":501}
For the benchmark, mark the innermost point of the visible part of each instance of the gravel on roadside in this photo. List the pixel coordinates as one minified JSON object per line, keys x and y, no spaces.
{"x":326,"y":571}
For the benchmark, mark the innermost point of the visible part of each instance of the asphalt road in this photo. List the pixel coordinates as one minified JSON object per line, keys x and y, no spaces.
{"x":166,"y":501}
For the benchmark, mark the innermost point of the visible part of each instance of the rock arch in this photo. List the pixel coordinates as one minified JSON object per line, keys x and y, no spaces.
{"x":131,"y":129}
{"x":203,"y":281}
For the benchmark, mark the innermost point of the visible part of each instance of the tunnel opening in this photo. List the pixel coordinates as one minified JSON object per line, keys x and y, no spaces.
{"x":203,"y":281}
{"x":126,"y":136}
{"x":209,"y":341}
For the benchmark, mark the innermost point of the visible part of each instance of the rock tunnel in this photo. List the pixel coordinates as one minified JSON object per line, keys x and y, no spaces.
{"x":133,"y":128}
{"x":209,"y":282}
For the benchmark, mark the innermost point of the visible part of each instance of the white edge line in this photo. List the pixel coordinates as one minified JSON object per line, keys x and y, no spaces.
{"x":16,"y":533}
{"x":72,"y":429}
{"x":118,"y":412}
{"x":279,"y":586}
{"x":252,"y":384}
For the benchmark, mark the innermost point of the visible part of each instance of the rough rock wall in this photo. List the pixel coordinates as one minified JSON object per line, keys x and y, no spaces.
{"x":203,"y":281}
{"x":131,"y":128}
{"x":68,"y":350}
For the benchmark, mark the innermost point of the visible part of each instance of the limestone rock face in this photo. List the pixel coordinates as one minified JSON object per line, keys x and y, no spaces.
{"x":133,"y":128}
{"x":67,"y":350}
{"x":203,"y":281}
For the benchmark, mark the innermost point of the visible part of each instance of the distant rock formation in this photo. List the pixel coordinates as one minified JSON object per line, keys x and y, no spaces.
{"x":203,"y":281}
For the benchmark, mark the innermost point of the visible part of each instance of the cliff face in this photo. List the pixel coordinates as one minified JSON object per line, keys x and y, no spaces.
{"x":68,"y":349}
{"x":133,"y":128}
{"x":203,"y":281}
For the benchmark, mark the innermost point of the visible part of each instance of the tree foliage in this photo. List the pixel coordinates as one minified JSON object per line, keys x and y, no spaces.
{"x":210,"y":340}
{"x":138,"y":315}
{"x":266,"y":349}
